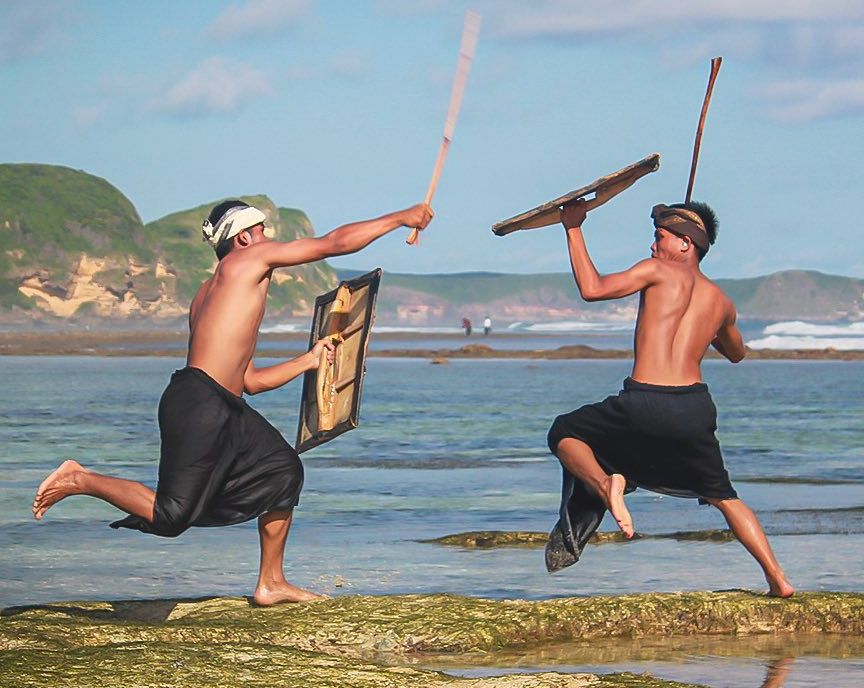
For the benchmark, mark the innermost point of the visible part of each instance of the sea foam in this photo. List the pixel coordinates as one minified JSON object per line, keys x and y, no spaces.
{"x":797,"y":334}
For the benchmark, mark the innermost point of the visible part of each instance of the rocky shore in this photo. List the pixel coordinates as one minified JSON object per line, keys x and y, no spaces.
{"x":371,"y":642}
{"x":173,"y":343}
{"x":493,"y":539}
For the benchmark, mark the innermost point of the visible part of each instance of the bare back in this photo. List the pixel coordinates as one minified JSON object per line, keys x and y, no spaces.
{"x":680,"y":315}
{"x":224,"y":319}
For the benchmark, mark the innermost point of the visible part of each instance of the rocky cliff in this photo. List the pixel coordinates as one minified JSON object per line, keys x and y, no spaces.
{"x":74,"y":248}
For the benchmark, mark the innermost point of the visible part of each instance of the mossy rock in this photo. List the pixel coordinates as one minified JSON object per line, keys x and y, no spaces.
{"x":428,"y":623}
{"x":250,"y":665}
{"x":346,"y":641}
{"x":491,"y":539}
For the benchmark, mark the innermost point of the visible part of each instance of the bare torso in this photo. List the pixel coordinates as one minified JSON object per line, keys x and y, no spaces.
{"x":228,"y":309}
{"x":679,"y":316}
{"x":224,"y":319}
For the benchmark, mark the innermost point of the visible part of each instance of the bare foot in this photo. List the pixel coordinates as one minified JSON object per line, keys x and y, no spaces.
{"x":615,"y":501}
{"x":779,"y":587}
{"x":284,"y":592}
{"x":58,"y":485}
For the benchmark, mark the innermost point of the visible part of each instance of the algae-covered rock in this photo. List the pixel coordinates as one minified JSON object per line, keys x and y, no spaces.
{"x":251,"y":666}
{"x":182,"y":665}
{"x":490,"y":539}
{"x":225,"y":641}
{"x":431,"y":623}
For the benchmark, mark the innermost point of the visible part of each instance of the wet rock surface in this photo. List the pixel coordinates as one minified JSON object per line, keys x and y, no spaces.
{"x":491,"y":539}
{"x":370,"y":641}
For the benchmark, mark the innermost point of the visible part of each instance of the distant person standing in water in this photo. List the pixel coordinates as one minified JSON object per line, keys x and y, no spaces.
{"x":487,"y":325}
{"x":466,"y":325}
{"x":658,"y":432}
{"x":221,"y":462}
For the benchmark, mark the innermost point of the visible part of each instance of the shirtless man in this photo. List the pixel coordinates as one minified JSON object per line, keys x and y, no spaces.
{"x":658,"y":432}
{"x":221,"y":463}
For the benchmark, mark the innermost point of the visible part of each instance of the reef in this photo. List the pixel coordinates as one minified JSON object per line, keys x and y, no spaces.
{"x":492,"y":539}
{"x":368,"y":641}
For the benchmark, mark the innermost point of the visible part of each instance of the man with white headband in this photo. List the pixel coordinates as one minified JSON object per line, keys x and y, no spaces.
{"x":221,"y":462}
{"x":658,"y":432}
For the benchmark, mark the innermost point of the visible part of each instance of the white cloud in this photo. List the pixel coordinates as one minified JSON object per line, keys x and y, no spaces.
{"x":90,"y":115}
{"x":813,"y":50}
{"x":214,"y":86}
{"x":256,"y":17}
{"x":345,"y":65}
{"x":411,"y":9}
{"x":29,"y":29}
{"x":787,"y":34}
{"x":575,"y":17}
{"x":806,"y":100}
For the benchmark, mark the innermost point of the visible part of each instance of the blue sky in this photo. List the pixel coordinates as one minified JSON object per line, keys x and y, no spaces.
{"x":338,"y":108}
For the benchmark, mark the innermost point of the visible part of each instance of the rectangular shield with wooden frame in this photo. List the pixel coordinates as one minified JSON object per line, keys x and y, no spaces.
{"x":330,"y":404}
{"x":603,"y":189}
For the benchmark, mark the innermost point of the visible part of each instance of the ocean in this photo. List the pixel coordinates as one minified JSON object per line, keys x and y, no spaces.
{"x":441,"y":449}
{"x":758,"y":334}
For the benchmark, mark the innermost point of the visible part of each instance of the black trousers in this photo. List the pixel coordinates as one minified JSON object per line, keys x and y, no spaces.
{"x":221,"y":462}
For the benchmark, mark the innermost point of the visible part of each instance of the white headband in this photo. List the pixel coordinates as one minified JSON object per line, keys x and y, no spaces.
{"x":234,"y":221}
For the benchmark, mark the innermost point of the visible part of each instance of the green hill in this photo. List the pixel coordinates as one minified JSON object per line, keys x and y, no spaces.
{"x":75,"y":247}
{"x":178,"y":238}
{"x":797,"y":294}
{"x":49,"y":215}
{"x":789,"y":294}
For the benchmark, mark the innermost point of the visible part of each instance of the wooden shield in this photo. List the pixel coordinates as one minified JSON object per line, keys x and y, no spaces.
{"x":603,"y":189}
{"x":331,"y":394}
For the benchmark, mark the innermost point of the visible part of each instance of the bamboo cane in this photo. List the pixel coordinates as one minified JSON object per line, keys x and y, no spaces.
{"x":715,"y":68}
{"x":466,"y":53}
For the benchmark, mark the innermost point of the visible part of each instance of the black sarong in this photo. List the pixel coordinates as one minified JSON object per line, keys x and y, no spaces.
{"x":221,"y":462}
{"x":659,"y":438}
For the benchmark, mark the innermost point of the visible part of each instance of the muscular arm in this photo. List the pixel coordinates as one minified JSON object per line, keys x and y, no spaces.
{"x":729,"y":341}
{"x":592,"y":285}
{"x":257,"y":380}
{"x":340,"y":241}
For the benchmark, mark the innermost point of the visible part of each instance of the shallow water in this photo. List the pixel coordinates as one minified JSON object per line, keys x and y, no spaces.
{"x":782,"y":671}
{"x":441,"y":449}
{"x":445,"y":449}
{"x":718,"y":661}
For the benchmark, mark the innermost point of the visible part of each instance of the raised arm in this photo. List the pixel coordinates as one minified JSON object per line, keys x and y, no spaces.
{"x":729,"y":341}
{"x":340,"y":241}
{"x":592,"y":285}
{"x":257,"y":380}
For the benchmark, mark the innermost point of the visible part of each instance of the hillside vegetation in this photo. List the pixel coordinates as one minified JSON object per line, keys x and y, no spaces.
{"x":75,"y":248}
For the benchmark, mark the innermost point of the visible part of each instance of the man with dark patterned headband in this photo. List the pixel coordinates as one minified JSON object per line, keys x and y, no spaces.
{"x":221,"y":462}
{"x":658,"y":432}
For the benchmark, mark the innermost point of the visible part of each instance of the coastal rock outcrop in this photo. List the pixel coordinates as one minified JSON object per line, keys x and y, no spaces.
{"x":76,"y":249}
{"x":371,"y":641}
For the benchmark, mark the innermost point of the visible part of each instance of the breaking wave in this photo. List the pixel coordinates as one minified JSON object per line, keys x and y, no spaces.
{"x":406,"y":329}
{"x":797,"y":334}
{"x":284,"y":327}
{"x":571,"y":326}
{"x":799,"y":328}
